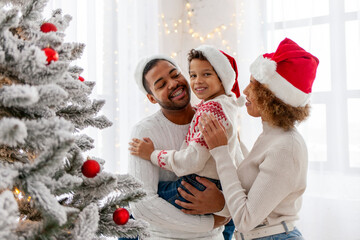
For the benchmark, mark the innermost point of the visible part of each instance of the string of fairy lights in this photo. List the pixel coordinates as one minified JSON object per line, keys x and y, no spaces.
{"x":184,"y":26}
{"x":20,"y":195}
{"x":177,"y":26}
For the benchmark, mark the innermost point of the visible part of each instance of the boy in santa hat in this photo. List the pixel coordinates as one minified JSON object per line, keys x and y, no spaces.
{"x":213,"y":79}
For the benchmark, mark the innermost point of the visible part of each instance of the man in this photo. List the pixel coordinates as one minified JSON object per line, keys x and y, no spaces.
{"x":162,"y":82}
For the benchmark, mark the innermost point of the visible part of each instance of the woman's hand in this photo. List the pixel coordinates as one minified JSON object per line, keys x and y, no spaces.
{"x":213,"y":131}
{"x":142,"y":148}
{"x":201,"y":202}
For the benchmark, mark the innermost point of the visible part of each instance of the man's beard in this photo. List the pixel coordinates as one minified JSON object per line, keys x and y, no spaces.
{"x":169,"y":106}
{"x":176,"y":106}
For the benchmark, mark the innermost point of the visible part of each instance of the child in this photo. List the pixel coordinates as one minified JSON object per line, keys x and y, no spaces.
{"x":213,"y":77}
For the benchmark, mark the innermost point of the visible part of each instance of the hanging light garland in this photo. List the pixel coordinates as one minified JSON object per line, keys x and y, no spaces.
{"x":19,"y":195}
{"x":175,"y":26}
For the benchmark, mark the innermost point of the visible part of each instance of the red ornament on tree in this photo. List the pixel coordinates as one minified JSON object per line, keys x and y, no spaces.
{"x":81,"y":78}
{"x":90,"y":168}
{"x":48,"y":27}
{"x":51,"y":54}
{"x":121,"y":216}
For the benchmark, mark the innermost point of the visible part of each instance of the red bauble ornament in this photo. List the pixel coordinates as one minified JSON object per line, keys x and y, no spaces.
{"x":81,"y":78}
{"x":90,"y":168}
{"x":121,"y":216}
{"x":51,"y":54}
{"x":48,"y":27}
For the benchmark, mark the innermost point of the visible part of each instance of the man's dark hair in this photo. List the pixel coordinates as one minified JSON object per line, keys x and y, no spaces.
{"x":147,"y":68}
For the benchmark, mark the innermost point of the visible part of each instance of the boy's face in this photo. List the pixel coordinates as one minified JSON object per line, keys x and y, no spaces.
{"x":204,"y":81}
{"x":168,"y":86}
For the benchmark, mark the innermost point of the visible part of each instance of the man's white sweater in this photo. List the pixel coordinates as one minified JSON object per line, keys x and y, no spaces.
{"x":166,"y":221}
{"x":269,"y":183}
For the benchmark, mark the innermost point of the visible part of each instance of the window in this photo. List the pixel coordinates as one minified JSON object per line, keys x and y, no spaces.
{"x":329,"y":30}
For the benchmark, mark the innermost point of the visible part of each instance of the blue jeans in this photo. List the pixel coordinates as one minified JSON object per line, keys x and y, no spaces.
{"x":293,"y":235}
{"x":137,"y":238}
{"x":168,"y":191}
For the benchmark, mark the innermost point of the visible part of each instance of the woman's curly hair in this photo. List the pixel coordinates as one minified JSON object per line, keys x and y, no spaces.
{"x":275,"y":111}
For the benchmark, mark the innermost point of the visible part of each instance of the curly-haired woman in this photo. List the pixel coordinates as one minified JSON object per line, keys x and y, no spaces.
{"x":264,"y":193}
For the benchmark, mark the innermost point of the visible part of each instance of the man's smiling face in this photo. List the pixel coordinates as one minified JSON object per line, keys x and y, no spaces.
{"x":168,"y":86}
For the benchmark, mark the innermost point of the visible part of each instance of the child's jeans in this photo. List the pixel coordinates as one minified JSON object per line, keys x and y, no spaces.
{"x":168,"y":191}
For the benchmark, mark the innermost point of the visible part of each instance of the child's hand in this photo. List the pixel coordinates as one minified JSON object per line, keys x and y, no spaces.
{"x":142,"y":148}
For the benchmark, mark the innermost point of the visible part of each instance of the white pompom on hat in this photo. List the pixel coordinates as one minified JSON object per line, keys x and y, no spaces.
{"x":289,"y":72}
{"x":139,"y":70}
{"x":225,"y":67}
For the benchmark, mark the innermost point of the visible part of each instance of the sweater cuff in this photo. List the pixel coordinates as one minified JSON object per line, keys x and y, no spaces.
{"x":220,"y":152}
{"x":154,"y":157}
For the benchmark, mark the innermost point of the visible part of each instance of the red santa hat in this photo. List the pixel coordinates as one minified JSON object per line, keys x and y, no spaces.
{"x":139,"y":71}
{"x":289,"y":72}
{"x":225,"y":67}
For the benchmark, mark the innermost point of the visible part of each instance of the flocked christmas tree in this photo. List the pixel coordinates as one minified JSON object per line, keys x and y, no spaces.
{"x":48,"y":190}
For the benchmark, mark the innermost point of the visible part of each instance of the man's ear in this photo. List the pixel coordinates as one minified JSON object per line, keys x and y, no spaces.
{"x":151,"y":98}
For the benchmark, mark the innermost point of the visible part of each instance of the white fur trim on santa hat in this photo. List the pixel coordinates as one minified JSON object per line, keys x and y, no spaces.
{"x":264,"y":71}
{"x":141,"y":65}
{"x":221,"y":65}
{"x":240,"y":101}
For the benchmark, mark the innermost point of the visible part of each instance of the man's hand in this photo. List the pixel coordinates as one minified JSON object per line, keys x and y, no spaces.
{"x":142,"y":148}
{"x":201,"y":202}
{"x":220,"y":221}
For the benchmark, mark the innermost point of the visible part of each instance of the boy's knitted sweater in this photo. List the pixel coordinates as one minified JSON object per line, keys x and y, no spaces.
{"x":194,"y":155}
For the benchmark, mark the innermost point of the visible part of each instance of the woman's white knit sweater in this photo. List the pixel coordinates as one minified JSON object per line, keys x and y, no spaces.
{"x":166,"y":221}
{"x":194,"y":155}
{"x":269,"y":183}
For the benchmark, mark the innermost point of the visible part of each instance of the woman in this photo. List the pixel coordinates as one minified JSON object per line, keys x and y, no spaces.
{"x":264,"y":193}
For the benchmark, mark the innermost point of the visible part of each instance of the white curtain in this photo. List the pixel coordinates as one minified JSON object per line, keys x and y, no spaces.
{"x":116,"y":33}
{"x":119,"y":32}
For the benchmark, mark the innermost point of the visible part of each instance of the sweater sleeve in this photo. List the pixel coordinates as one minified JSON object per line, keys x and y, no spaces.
{"x":184,"y":162}
{"x":155,"y":210}
{"x":272,"y":184}
{"x":194,"y":153}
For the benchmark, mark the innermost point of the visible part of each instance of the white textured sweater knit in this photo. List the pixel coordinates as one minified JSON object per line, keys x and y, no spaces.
{"x":166,"y":221}
{"x":194,"y":155}
{"x":269,"y":183}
